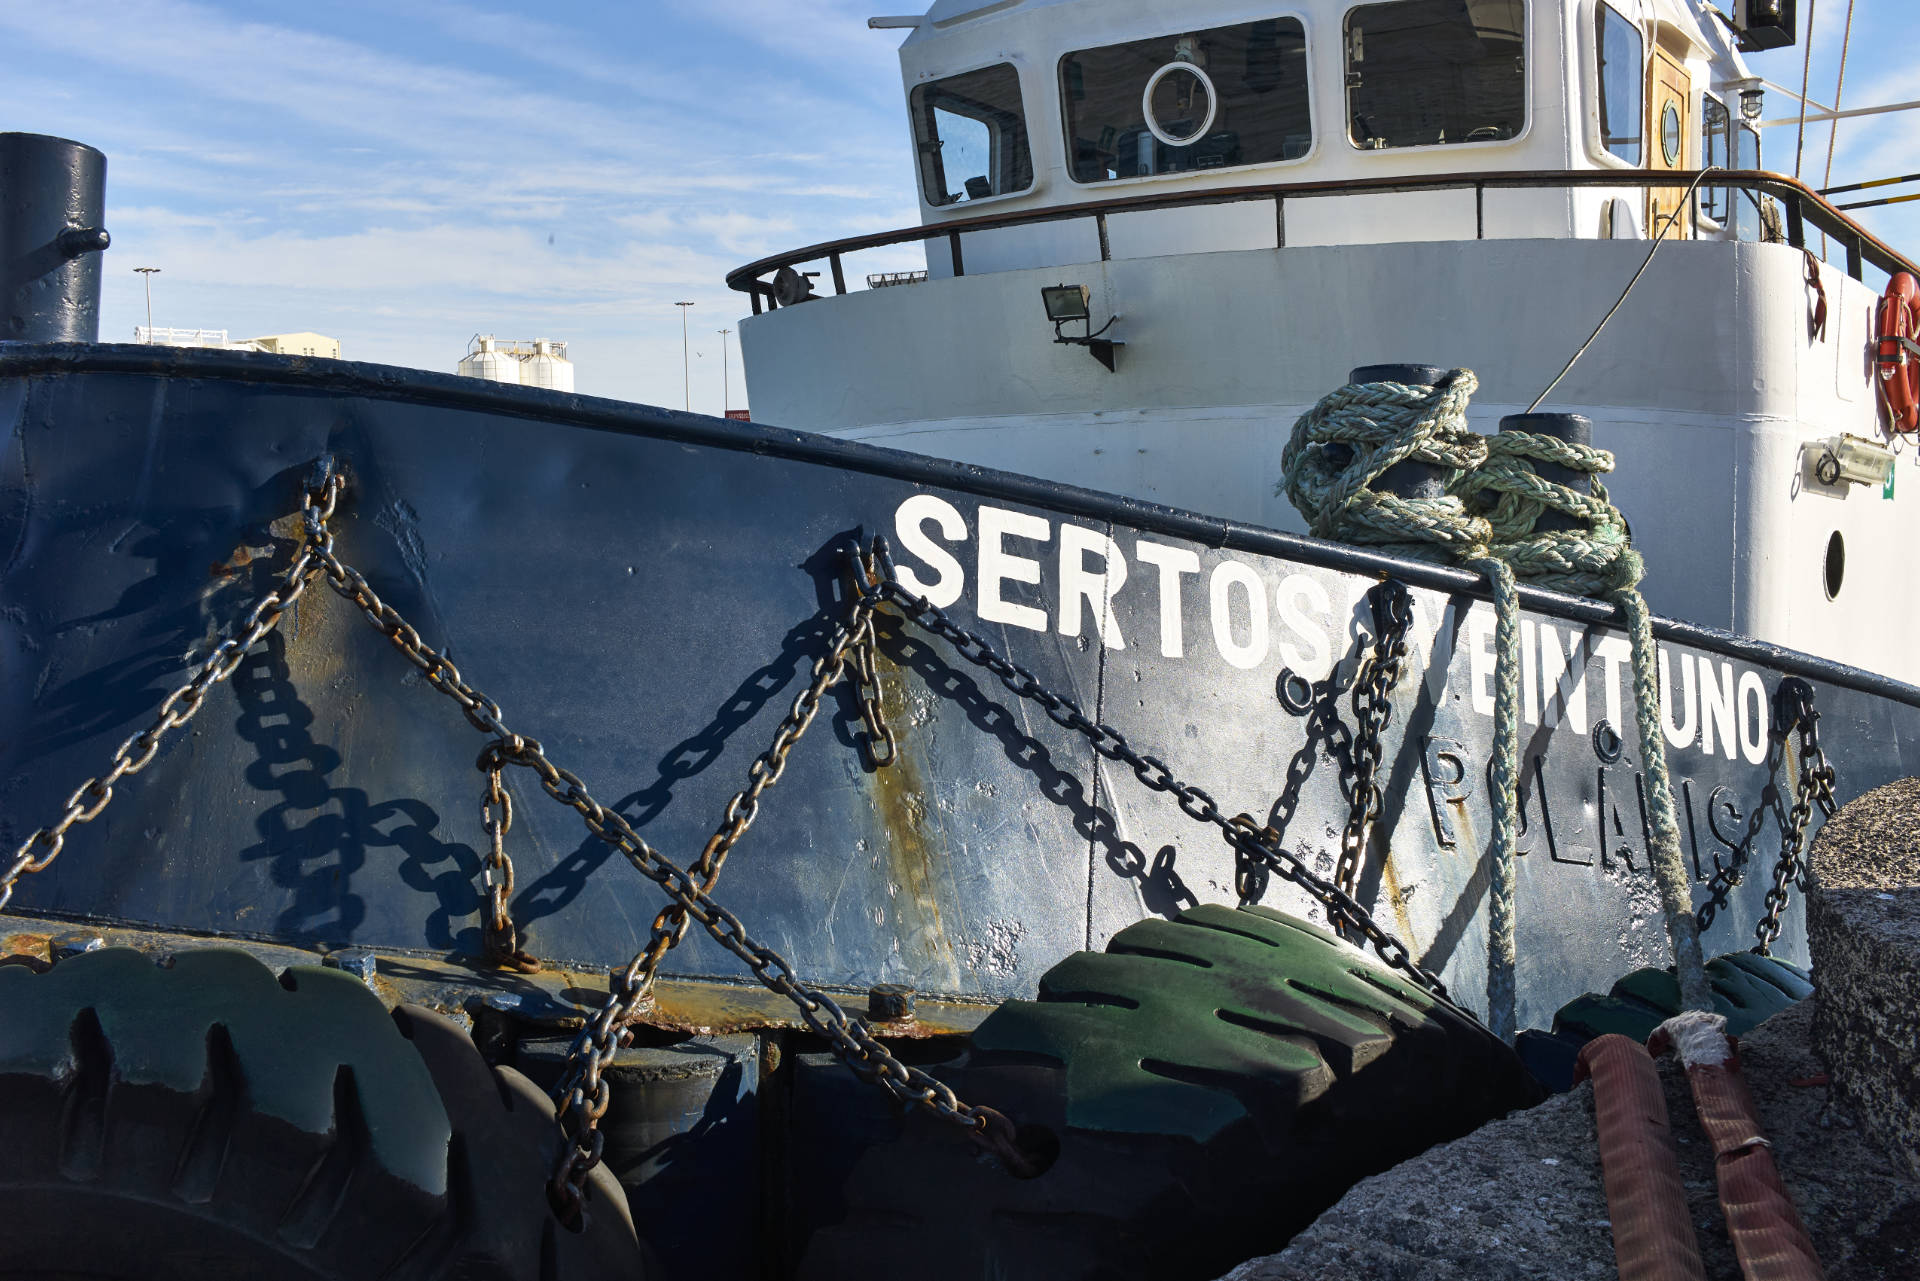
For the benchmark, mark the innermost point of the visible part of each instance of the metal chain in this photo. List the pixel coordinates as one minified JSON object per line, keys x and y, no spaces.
{"x":581,"y":1085}
{"x":587,"y":1102}
{"x":1815,"y":787}
{"x":1260,"y":845}
{"x":39,"y":850}
{"x":1372,"y":709}
{"x":498,"y":933}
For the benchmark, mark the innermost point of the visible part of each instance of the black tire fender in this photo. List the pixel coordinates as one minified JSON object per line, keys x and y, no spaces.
{"x":206,"y":1119}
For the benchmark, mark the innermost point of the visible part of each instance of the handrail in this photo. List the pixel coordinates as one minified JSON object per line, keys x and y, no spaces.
{"x":1804,"y":207}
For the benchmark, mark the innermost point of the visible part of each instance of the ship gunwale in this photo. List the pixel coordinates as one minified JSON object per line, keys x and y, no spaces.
{"x":22,"y":361}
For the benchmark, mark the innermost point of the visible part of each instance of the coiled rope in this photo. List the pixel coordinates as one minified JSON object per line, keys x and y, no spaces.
{"x":1487,"y":521}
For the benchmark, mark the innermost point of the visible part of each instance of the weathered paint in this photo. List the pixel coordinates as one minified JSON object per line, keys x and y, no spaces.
{"x":643,"y":591}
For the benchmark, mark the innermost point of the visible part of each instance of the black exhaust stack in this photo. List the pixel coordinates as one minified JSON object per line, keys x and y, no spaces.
{"x":52,"y":203}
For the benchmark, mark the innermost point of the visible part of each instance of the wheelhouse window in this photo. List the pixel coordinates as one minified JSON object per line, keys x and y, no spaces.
{"x":1747,"y":221}
{"x":1424,"y":73}
{"x":1622,"y":59}
{"x":1180,"y":103}
{"x":1716,"y":148}
{"x":971,"y":133}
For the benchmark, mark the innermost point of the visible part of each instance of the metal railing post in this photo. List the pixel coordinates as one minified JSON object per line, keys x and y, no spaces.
{"x":953,"y":244}
{"x":839,"y":277}
{"x":1279,"y":222}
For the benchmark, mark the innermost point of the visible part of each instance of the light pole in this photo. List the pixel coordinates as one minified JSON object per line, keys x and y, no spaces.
{"x":149,"y":273}
{"x":726,"y":389}
{"x":686,"y":372}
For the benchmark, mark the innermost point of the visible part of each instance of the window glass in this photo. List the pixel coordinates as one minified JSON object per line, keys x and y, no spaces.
{"x":1716,"y":137}
{"x":1746,"y":204}
{"x":1622,"y":55}
{"x":971,"y":132}
{"x":1225,"y":96}
{"x":1425,"y":72}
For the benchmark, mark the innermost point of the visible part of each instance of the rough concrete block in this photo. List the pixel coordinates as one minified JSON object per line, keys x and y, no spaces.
{"x":1863,"y":927}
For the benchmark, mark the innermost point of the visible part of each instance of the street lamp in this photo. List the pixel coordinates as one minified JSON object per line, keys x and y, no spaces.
{"x":149,"y":273}
{"x":726,"y":388}
{"x":686,"y":372}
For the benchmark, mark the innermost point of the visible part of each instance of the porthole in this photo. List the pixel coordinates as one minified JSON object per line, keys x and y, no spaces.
{"x":1670,"y":134}
{"x":1836,"y":564}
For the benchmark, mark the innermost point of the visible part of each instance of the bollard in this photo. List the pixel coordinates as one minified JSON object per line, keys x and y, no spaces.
{"x":1576,"y":429}
{"x":52,"y":202}
{"x":1411,"y":479}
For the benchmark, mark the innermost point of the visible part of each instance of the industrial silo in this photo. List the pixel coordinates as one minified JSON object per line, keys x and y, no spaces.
{"x":484,"y":361}
{"x":548,"y":367}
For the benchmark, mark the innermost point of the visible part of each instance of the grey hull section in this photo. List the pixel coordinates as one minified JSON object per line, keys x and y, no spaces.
{"x":644,"y":591}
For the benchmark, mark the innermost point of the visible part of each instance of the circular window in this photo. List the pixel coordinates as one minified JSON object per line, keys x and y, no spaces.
{"x":1836,"y":564}
{"x":1179,"y":104}
{"x":1670,"y":132}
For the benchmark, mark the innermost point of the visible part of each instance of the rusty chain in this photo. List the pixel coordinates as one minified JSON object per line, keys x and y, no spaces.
{"x":1815,"y":787}
{"x":1260,"y":845}
{"x":582,"y":1091}
{"x":499,"y":935}
{"x":39,"y":850}
{"x":1372,"y":696}
{"x":586,"y":1101}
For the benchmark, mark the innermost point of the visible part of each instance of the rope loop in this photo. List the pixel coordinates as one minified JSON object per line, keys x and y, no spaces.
{"x":1488,"y":520}
{"x":1342,"y":445}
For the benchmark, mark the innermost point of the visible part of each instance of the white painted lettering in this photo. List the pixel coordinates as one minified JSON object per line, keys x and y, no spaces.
{"x":1529,"y":674}
{"x":1440,"y":656}
{"x":1751,"y":703}
{"x":1716,"y":706}
{"x":1563,"y":679}
{"x":1614,"y":653}
{"x":909,"y":525}
{"x":1313,"y":661}
{"x":1679,"y":732}
{"x":1173,"y":562}
{"x":1226,"y":576}
{"x":1480,"y":660}
{"x":1079,"y":585}
{"x":998,"y":565}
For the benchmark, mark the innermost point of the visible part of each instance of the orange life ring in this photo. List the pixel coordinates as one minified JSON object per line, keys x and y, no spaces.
{"x":1897,"y":354}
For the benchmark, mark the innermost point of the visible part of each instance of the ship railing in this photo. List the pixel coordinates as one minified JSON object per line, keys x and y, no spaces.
{"x":1803,"y":208}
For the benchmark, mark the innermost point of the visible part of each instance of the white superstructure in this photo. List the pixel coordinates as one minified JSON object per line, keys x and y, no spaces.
{"x":1711,"y":384}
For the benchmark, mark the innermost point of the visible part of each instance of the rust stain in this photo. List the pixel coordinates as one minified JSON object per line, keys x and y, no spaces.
{"x":25,"y":944}
{"x":232,"y":565}
{"x":1395,"y":897}
{"x":901,"y":801}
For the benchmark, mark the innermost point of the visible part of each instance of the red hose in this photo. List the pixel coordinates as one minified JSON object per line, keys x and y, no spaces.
{"x":1768,"y":1237}
{"x":1652,"y":1233}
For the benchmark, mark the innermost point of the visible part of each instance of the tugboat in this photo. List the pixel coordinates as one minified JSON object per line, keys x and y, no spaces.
{"x":1157,"y":872}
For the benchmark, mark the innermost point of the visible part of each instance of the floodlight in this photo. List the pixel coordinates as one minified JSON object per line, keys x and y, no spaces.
{"x":1066,"y":302}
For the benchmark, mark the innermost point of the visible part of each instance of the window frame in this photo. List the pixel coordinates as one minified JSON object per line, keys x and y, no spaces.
{"x":1727,"y":194}
{"x":1527,"y":103}
{"x":1034,"y":182}
{"x":1313,"y":106}
{"x":1595,"y":137}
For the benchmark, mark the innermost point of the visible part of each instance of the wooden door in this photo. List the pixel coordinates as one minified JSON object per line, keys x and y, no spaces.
{"x":1670,"y":142}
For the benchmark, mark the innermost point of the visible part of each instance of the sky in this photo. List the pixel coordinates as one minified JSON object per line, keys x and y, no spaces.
{"x":402,"y":175}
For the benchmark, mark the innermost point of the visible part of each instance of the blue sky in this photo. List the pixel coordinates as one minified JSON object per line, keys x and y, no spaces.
{"x":402,"y":175}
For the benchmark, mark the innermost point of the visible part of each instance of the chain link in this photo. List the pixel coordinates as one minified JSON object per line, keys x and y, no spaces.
{"x":39,"y":850}
{"x":851,"y":649}
{"x":1372,"y":709}
{"x":1259,"y":846}
{"x":587,"y":1094}
{"x":1796,"y":712}
{"x":499,"y":935}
